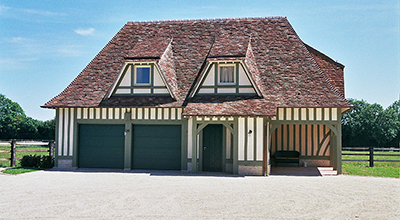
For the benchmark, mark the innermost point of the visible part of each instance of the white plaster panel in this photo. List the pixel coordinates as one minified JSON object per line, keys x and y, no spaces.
{"x":326,"y":114}
{"x":281,"y":114}
{"x":296,"y":114}
{"x":226,"y":90}
{"x":311,"y":114}
{"x":85,"y":113}
{"x":209,"y":81}
{"x":157,"y":78}
{"x":65,"y":139}
{"x":206,"y":90}
{"x":97,"y":113}
{"x":116,"y":113}
{"x":103,"y":113}
{"x":152,"y":113}
{"x":91,"y":113}
{"x":126,"y":81}
{"x":133,"y":115}
{"x":60,"y":130}
{"x":141,"y":91}
{"x":190,"y":132}
{"x":260,"y":139}
{"x":110,"y":113}
{"x":139,"y":113}
{"x":71,"y":133}
{"x":334,"y":114}
{"x":123,"y":91}
{"x":241,"y":143}
{"x":166,"y":113}
{"x":173,"y":116}
{"x":250,"y":139}
{"x":179,"y":113}
{"x":123,"y":113}
{"x":318,"y":114}
{"x":160,"y":91}
{"x":246,"y":90}
{"x":303,"y":114}
{"x":288,"y":114}
{"x":243,"y":80}
{"x":78,"y":113}
{"x":159,"y":113}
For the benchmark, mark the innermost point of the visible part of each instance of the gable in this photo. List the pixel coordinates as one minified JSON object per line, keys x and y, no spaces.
{"x":140,"y":79}
{"x":225,"y":78}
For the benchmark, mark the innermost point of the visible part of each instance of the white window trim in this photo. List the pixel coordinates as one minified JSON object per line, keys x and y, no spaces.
{"x":219,"y":74}
{"x":135,"y":76}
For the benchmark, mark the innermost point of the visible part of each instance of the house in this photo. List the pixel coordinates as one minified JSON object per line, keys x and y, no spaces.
{"x":202,"y":95}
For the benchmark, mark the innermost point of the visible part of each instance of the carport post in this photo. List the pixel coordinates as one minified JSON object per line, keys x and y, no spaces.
{"x":194,"y":145}
{"x":128,"y":142}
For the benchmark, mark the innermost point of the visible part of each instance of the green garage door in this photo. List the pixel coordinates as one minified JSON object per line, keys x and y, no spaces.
{"x":156,"y":147}
{"x":101,"y":146}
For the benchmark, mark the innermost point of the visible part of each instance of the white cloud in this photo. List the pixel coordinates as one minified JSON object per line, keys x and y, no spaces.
{"x":85,"y":32}
{"x":3,"y":9}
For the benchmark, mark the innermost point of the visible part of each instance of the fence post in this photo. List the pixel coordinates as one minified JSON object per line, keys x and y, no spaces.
{"x":51,"y":149}
{"x":13,"y":150}
{"x":371,"y":156}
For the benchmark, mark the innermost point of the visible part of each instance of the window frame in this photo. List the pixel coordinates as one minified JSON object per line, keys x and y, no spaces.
{"x":219,"y":74}
{"x":135,"y":75}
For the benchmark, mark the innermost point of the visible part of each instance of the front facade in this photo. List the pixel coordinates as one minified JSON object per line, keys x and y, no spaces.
{"x":219,"y":95}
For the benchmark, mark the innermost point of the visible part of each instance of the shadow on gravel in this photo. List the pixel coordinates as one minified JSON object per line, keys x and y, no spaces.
{"x":145,"y":172}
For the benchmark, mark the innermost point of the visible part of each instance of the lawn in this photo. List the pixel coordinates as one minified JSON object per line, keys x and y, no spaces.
{"x":20,"y":154}
{"x":380,"y":169}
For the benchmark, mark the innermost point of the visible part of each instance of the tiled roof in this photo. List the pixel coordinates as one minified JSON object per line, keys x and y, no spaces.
{"x":285,"y":70}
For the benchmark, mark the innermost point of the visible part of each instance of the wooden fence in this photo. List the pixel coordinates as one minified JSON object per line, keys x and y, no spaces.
{"x":371,"y":152}
{"x":13,"y":150}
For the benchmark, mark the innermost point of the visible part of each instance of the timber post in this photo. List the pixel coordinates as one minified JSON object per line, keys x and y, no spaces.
{"x":51,"y":149}
{"x":371,"y":156}
{"x":13,"y":150}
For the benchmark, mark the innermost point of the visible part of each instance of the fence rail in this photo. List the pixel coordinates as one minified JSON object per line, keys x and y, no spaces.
{"x":371,"y":153}
{"x":13,"y":150}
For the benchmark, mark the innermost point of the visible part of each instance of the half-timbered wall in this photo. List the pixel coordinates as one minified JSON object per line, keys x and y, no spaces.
{"x":309,"y":140}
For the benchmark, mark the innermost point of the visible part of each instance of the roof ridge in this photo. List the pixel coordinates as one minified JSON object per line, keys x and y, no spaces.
{"x":207,"y":19}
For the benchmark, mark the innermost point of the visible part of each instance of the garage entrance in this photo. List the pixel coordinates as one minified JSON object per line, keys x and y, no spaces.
{"x":156,"y":147}
{"x":101,"y":146}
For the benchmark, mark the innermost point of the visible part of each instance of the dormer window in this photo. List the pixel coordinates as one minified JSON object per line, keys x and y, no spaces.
{"x":140,"y":79}
{"x":226,"y":74}
{"x":142,"y":75}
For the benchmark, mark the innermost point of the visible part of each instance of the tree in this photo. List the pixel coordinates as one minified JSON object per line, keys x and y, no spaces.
{"x":369,"y":124}
{"x":11,"y":116}
{"x":396,"y":108}
{"x":14,"y":124}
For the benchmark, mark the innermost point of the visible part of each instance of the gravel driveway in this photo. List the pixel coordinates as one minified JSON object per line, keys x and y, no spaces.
{"x":120,"y":195}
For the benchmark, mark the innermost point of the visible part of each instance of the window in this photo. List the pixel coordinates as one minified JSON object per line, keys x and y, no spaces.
{"x":226,"y":74}
{"x":142,"y":75}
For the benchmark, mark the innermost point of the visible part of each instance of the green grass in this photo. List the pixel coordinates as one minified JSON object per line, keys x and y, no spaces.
{"x":19,"y":170}
{"x":20,"y":154}
{"x":380,"y":169}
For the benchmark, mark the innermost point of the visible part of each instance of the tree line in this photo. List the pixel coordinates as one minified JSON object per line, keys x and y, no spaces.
{"x":371,"y":125}
{"x":364,"y":125}
{"x":15,"y":124}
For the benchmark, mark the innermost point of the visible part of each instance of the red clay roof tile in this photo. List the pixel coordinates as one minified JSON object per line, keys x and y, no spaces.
{"x":285,"y":70}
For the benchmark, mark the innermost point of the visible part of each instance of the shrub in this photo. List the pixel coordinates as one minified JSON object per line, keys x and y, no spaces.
{"x":37,"y":161}
{"x":31,"y":161}
{"x":47,"y":162}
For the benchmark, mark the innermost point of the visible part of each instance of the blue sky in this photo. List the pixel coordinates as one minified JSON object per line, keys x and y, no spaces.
{"x":45,"y":44}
